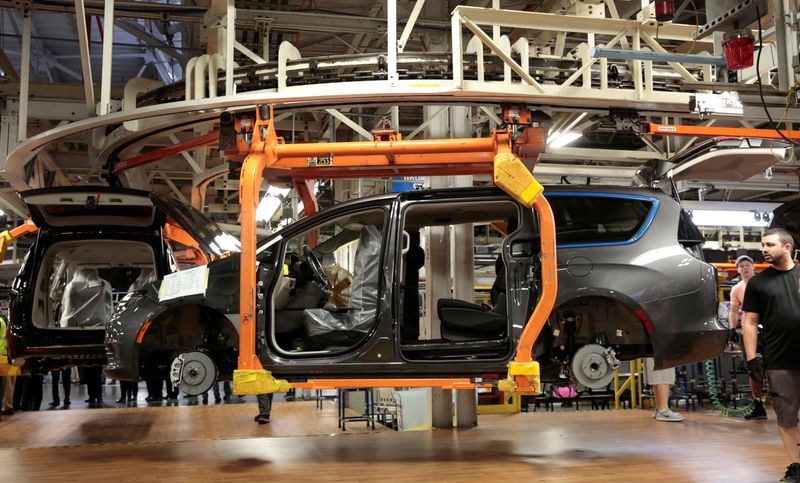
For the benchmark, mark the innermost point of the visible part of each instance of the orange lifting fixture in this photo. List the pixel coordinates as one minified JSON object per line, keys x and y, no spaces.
{"x":710,"y":131}
{"x":265,"y":155}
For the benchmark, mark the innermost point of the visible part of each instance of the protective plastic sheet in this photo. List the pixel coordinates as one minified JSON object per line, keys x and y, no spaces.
{"x":87,"y":300}
{"x":145,"y":278}
{"x":361,"y":310}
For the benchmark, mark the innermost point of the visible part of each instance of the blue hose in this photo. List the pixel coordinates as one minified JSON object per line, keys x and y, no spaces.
{"x":712,"y":392}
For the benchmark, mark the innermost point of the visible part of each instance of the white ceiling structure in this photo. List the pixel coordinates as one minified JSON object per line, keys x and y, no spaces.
{"x":335,"y":54}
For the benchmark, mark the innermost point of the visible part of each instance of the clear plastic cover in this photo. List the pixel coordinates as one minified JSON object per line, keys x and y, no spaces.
{"x":87,"y":300}
{"x":145,"y":278}
{"x":359,"y":315}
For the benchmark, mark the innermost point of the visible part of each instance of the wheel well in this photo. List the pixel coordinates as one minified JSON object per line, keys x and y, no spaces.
{"x":601,"y":320}
{"x":188,"y":328}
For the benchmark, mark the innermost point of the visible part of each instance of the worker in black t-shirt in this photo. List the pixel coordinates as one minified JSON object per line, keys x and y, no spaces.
{"x":772,"y":298}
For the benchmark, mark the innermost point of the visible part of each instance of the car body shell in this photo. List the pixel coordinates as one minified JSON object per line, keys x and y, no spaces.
{"x":667,"y":295}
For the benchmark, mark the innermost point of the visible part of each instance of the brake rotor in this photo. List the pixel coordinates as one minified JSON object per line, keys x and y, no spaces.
{"x":591,"y":366}
{"x":193,"y":373}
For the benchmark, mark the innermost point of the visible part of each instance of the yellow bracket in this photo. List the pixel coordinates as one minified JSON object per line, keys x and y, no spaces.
{"x":7,"y":369}
{"x":255,"y":382}
{"x":514,"y":178}
{"x":5,"y":240}
{"x":523,"y":377}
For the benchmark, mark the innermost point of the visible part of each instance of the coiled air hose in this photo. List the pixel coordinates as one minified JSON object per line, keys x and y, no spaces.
{"x":712,"y":392}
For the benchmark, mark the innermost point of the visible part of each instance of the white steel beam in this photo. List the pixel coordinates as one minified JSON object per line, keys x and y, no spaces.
{"x":571,"y":23}
{"x":391,"y":41}
{"x":173,"y":187}
{"x":249,"y":53}
{"x":351,"y":124}
{"x":427,"y":122}
{"x":86,"y":61}
{"x":230,"y":37}
{"x":494,"y":117}
{"x":151,"y":40}
{"x":412,"y":19}
{"x":498,"y":51}
{"x":108,"y":46}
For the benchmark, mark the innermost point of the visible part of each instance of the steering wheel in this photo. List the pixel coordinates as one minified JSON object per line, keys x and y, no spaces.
{"x":316,"y":266}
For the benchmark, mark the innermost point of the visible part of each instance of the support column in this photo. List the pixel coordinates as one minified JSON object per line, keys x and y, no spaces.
{"x":108,"y":47}
{"x":463,"y":235}
{"x":785,"y":77}
{"x":437,"y":245}
{"x":25,"y":77}
{"x":230,"y":37}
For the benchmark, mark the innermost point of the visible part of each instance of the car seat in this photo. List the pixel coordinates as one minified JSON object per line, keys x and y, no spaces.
{"x":344,"y":326}
{"x":463,"y":321}
{"x":87,"y":300}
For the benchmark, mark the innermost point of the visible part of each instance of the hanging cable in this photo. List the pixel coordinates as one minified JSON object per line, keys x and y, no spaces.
{"x":758,"y":80}
{"x":712,"y":393}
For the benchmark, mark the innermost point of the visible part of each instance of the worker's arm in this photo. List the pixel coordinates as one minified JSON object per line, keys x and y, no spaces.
{"x":733,"y":314}
{"x":750,"y":334}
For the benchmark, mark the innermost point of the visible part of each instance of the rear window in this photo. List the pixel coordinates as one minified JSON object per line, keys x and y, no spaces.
{"x":600,"y":218}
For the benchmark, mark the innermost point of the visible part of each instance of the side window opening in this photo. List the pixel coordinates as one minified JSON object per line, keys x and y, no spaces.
{"x":475,"y":323}
{"x":326,"y":301}
{"x":81,"y":281}
{"x":598,"y":219}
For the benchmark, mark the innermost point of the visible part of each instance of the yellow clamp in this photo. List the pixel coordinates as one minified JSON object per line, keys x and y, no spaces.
{"x":529,"y":370}
{"x":7,"y":369}
{"x":5,"y":241}
{"x":514,"y":178}
{"x":255,"y":382}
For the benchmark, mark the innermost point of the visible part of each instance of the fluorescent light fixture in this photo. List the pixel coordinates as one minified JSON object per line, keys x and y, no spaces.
{"x":562,"y":139}
{"x":225,"y":242}
{"x":268,"y":207}
{"x":731,"y":218}
{"x":271,"y":203}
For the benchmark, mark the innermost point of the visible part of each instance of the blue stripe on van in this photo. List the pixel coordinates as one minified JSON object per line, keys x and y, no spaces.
{"x":632,"y":239}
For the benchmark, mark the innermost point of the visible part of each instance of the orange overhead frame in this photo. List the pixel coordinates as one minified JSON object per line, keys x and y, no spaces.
{"x":710,"y":131}
{"x":8,"y":236}
{"x":268,"y":156}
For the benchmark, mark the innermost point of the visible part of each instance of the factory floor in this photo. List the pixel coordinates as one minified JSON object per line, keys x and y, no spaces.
{"x":304,"y":443}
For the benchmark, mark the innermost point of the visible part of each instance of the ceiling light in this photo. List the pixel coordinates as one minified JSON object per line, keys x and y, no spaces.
{"x":731,"y":218}
{"x":562,"y":139}
{"x":268,"y":208}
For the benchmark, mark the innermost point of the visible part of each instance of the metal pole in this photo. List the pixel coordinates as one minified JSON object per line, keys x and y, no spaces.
{"x":784,"y":62}
{"x":86,"y":61}
{"x":230,"y":37}
{"x":108,"y":46}
{"x":25,"y":76}
{"x":391,"y":40}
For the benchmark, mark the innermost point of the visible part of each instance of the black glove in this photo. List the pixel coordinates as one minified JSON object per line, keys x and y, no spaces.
{"x":755,"y":369}
{"x":733,"y":336}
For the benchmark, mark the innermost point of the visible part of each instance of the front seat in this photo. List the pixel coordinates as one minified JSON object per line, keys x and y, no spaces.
{"x":343,"y":326}
{"x":462,"y":321}
{"x":87,"y":300}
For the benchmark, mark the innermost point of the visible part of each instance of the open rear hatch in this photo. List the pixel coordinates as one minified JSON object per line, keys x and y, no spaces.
{"x":91,"y":208}
{"x":728,"y":160}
